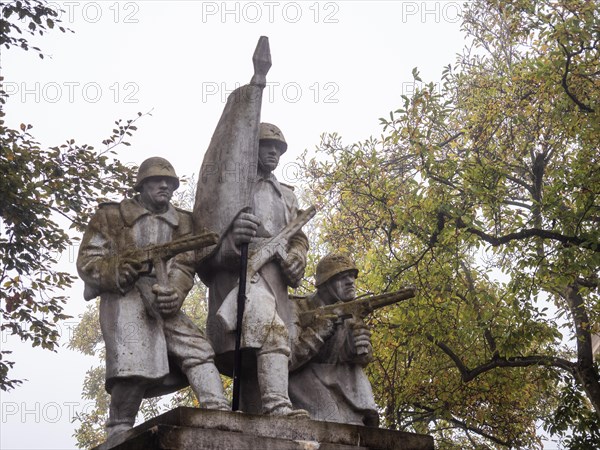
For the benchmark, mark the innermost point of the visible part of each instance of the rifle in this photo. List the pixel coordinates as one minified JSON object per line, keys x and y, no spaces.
{"x":268,"y":250}
{"x":275,"y":247}
{"x":356,"y":309}
{"x":158,"y":255}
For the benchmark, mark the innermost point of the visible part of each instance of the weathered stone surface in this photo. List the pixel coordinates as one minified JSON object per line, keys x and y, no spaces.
{"x":138,"y":256}
{"x":199,"y":429}
{"x":331,"y":345}
{"x":329,"y":355}
{"x":277,"y":249}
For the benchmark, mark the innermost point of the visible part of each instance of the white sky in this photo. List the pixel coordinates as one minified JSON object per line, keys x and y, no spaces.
{"x":337,"y":66}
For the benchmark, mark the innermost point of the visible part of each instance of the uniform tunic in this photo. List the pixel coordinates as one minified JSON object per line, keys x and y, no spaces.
{"x":139,"y":343}
{"x":268,"y":309}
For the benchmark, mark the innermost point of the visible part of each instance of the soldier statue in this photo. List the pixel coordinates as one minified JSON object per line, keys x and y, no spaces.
{"x":326,"y":368}
{"x":149,"y":340}
{"x":268,"y":314}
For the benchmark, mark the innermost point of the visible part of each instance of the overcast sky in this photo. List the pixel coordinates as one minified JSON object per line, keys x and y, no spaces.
{"x":337,"y":66}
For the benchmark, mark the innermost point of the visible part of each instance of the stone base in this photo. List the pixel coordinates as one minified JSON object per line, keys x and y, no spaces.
{"x":200,"y":429}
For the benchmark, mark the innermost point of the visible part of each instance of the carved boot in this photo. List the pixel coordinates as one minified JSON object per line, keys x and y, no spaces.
{"x":272,"y":371}
{"x":125,"y":399}
{"x":116,"y":433}
{"x":208,"y":387}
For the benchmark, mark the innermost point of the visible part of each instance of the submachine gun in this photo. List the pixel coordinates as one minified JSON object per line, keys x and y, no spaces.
{"x":158,"y":255}
{"x":356,"y":309}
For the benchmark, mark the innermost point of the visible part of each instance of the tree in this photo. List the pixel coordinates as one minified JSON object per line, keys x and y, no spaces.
{"x":484,"y":192}
{"x":40,"y":189}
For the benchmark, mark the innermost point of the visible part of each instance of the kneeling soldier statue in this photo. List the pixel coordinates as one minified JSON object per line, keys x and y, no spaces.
{"x":331,"y":345}
{"x":329,"y":354}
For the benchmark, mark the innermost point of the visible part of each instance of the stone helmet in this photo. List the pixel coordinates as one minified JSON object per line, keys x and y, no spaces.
{"x":269,"y":132}
{"x":333,"y":264}
{"x":155,"y":167}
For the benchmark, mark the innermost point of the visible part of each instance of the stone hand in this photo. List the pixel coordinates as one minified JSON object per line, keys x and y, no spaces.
{"x":293,"y":268}
{"x":325,"y":326}
{"x":128,"y":271}
{"x":167,"y":299}
{"x":244,"y":228}
{"x":362,"y":342}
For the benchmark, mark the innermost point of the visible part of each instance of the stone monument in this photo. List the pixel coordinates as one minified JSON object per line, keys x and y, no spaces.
{"x":249,"y":311}
{"x":140,"y":256}
{"x":327,"y":376}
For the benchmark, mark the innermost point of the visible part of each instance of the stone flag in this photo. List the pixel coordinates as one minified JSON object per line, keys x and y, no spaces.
{"x":230,"y":164}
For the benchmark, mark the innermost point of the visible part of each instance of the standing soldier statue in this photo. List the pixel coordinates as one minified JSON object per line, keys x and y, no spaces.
{"x":268,"y":310}
{"x":138,"y":256}
{"x":262,"y":249}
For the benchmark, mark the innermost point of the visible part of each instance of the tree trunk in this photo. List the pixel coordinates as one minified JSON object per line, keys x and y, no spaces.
{"x":588,"y":378}
{"x":585,"y":371}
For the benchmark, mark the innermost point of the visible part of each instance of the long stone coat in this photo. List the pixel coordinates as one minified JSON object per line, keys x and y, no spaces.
{"x":325,"y":378}
{"x":136,"y":342}
{"x":268,"y":308}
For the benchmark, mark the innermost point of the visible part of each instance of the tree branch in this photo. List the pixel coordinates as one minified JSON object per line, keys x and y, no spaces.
{"x":592,"y":283}
{"x":450,"y":139}
{"x":518,"y":204}
{"x":584,"y":372}
{"x":519,"y":182}
{"x":497,"y":362}
{"x":529,"y":233}
{"x":464,"y":426}
{"x":582,"y":106}
{"x":486,"y":331}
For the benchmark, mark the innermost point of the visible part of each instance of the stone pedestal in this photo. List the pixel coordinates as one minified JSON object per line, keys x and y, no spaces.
{"x":199,"y":429}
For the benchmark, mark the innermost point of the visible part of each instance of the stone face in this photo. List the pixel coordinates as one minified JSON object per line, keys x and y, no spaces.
{"x":198,"y":429}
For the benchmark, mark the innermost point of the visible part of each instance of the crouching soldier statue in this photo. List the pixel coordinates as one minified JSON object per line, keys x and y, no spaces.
{"x":329,"y":354}
{"x":149,"y":341}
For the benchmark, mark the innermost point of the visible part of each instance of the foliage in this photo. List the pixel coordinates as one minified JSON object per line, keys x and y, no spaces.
{"x":40,"y":188}
{"x":483,"y":192}
{"x":572,"y":414}
{"x":34,"y":16}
